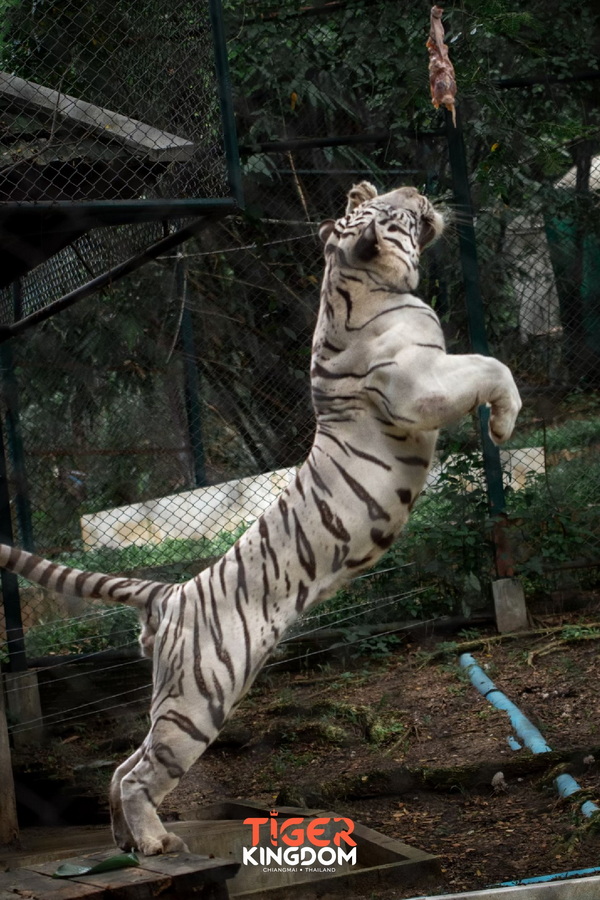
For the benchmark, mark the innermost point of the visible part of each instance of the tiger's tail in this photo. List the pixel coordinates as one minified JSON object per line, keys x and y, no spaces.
{"x":87,"y":585}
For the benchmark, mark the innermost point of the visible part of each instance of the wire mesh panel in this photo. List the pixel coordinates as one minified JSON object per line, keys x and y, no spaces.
{"x":110,"y":114}
{"x":108,"y":101}
{"x":549,"y":328}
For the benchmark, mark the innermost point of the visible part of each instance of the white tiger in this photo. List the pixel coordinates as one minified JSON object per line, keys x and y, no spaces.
{"x":382,"y":385}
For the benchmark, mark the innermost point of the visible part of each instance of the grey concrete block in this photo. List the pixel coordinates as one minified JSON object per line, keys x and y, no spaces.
{"x":509,"y":605}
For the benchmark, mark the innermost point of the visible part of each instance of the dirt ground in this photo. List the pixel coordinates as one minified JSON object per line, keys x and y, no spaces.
{"x":405,"y":745}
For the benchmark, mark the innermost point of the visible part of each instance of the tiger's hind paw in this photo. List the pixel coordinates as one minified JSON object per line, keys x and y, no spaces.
{"x":122,"y":836}
{"x":167,"y":843}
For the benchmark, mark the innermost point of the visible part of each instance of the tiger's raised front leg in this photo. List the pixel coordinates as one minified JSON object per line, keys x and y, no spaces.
{"x":425,"y":389}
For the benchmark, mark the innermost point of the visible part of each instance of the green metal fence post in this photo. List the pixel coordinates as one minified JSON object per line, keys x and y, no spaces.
{"x":229,"y":129}
{"x":13,"y":432}
{"x":474,"y":303}
{"x":17,"y":661}
{"x":191,"y":377}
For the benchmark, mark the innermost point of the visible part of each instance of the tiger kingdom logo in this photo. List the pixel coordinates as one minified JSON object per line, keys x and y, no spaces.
{"x":299,"y":844}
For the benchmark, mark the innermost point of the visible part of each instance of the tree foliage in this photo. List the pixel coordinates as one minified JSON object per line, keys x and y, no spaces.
{"x":108,"y":377}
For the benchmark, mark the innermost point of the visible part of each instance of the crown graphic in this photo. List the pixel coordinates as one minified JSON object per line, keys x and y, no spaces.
{"x":274,"y":812}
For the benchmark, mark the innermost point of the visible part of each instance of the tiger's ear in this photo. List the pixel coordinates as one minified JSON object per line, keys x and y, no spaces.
{"x":325,"y":229}
{"x":367,"y":246}
{"x":360,"y":193}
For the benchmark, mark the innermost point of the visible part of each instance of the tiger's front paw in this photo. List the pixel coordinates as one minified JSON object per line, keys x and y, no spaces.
{"x":504,"y":411}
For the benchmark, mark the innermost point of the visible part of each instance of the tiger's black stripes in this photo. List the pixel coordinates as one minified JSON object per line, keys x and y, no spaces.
{"x":62,"y":577}
{"x":317,"y":478}
{"x":304,"y":549}
{"x":374,"y":509}
{"x":395,"y":437}
{"x":377,"y":365}
{"x":325,"y":432}
{"x":330,"y":520}
{"x":283,"y":508}
{"x":359,"y":563}
{"x":347,"y":298}
{"x":414,"y":461}
{"x":323,"y":372}
{"x":301,"y":597}
{"x":299,"y":485}
{"x":339,"y":555}
{"x":45,"y":576}
{"x":369,"y":457}
{"x":223,"y":654}
{"x":266,"y":545}
{"x":382,"y":540}
{"x":385,"y":312}
{"x":242,"y":584}
{"x":164,"y":755}
{"x":185,"y":724}
{"x":386,"y":402}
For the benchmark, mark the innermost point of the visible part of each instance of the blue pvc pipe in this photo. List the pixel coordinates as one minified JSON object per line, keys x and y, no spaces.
{"x":575,"y":873}
{"x":566,"y":785}
{"x":536,"y":879}
{"x":526,"y":730}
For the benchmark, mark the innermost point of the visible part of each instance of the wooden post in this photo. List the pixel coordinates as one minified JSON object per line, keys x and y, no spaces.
{"x":9,"y":826}
{"x":509,"y":599}
{"x":23,"y":702}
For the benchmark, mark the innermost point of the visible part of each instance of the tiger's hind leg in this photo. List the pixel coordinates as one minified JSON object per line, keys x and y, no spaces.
{"x":121,"y":832}
{"x":173,"y":744}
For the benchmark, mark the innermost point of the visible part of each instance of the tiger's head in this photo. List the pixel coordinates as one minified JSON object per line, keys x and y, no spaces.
{"x":383,"y":234}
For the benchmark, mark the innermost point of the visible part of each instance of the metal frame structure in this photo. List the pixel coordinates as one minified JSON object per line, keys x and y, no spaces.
{"x":66,"y":220}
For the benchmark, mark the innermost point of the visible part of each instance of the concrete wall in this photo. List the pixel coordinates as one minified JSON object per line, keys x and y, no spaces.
{"x":201,"y":513}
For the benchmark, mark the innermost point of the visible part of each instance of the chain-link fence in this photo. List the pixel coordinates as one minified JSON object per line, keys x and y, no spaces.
{"x":549,"y":330}
{"x":146,"y":443}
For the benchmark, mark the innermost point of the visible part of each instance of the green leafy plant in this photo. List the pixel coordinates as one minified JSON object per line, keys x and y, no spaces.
{"x":101,"y":629}
{"x":152,"y":555}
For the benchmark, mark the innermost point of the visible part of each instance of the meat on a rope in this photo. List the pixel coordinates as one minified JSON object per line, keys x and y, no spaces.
{"x":441,"y":71}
